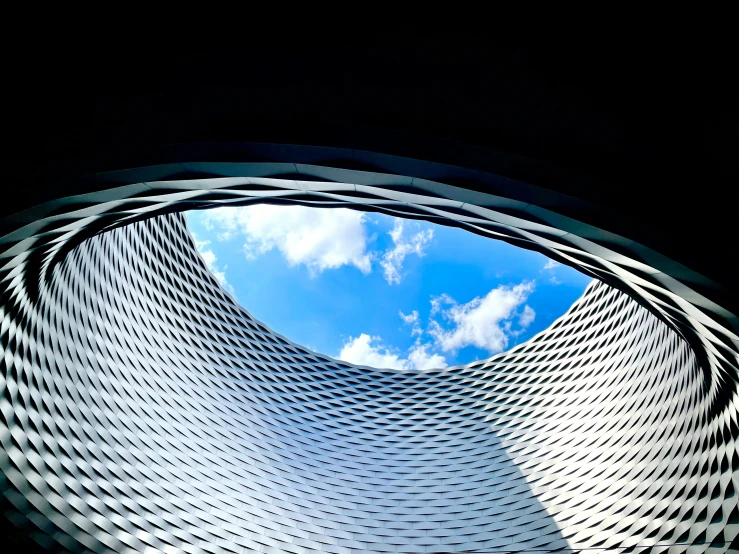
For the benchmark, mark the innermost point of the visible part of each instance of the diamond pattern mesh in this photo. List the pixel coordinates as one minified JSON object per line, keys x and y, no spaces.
{"x":143,"y":410}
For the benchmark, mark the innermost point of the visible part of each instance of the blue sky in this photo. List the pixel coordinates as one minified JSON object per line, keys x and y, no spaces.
{"x":382,"y":291}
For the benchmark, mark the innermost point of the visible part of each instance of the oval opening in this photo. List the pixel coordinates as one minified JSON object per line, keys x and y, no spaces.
{"x":382,"y":291}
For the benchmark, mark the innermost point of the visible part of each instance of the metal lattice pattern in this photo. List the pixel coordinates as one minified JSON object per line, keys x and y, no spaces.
{"x":143,"y":410}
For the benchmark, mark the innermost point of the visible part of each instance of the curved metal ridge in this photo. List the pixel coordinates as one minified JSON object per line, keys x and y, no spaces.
{"x":143,"y":409}
{"x":515,"y":214}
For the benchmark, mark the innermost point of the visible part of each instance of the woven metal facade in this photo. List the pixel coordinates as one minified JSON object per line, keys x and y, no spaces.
{"x":143,"y":410}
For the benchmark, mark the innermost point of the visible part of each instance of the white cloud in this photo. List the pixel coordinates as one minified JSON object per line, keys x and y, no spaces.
{"x":210,"y":260}
{"x":551,"y":265}
{"x":423,"y":360}
{"x":200,"y":245}
{"x":438,"y":301}
{"x":484,"y":322}
{"x":317,"y":238}
{"x":367,"y":350}
{"x":527,"y":317}
{"x":410,"y":318}
{"x":413,"y":320}
{"x":362,"y":351}
{"x":392,"y":260}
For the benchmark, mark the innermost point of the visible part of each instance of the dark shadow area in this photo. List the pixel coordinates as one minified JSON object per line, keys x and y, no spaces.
{"x":647,"y":135}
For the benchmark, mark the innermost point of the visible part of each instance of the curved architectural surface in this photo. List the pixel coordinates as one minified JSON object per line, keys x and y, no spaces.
{"x":145,"y":411}
{"x":141,"y":410}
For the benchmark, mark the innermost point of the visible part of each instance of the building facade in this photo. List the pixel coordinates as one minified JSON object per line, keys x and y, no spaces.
{"x":141,"y":410}
{"x":145,"y":411}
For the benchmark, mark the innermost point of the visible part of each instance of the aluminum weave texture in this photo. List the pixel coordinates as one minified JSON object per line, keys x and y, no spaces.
{"x":143,"y":410}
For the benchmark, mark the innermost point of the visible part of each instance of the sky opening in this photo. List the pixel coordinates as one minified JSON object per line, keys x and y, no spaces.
{"x":378,"y":290}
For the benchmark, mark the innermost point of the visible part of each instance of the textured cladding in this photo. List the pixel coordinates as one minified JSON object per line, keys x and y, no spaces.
{"x":145,"y":411}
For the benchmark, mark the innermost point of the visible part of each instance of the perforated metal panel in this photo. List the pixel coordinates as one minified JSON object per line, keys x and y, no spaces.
{"x":145,"y":411}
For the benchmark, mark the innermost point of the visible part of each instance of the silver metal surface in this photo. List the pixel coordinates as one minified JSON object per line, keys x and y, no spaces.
{"x":143,"y":410}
